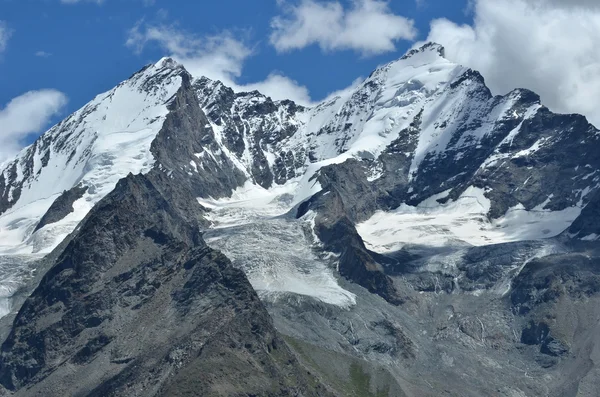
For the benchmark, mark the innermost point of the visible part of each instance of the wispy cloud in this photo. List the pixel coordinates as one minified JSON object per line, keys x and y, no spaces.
{"x":367,"y":26}
{"x":25,"y":115}
{"x":220,"y":57}
{"x":5,"y":33}
{"x":43,"y":54}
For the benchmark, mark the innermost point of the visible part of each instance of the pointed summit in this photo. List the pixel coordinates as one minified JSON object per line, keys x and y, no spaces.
{"x":168,"y":63}
{"x":425,"y":48}
{"x":94,"y":148}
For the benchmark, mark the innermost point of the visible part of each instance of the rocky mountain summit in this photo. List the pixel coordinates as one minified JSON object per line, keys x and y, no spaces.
{"x":175,"y":237}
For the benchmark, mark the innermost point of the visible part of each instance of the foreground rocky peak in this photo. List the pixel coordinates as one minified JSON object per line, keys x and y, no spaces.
{"x":137,"y":304}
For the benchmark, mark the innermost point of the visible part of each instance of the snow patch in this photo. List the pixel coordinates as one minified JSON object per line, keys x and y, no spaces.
{"x":460,"y":222}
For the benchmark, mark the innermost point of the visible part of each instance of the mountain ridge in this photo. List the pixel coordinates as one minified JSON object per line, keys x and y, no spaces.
{"x":410,"y":221}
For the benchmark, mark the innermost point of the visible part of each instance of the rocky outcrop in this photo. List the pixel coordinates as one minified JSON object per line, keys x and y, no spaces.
{"x":587,"y":225}
{"x":335,"y":229}
{"x":62,"y":206}
{"x":186,"y":146}
{"x":547,"y":293}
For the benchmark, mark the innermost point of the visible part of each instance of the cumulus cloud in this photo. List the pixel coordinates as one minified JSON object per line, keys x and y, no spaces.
{"x":5,"y":34}
{"x":27,"y":114}
{"x":548,"y":46}
{"x":367,"y":26}
{"x":279,"y":86}
{"x":219,"y":57}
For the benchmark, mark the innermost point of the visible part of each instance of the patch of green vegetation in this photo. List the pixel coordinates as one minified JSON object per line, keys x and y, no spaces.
{"x":350,"y":380}
{"x":361,"y":383}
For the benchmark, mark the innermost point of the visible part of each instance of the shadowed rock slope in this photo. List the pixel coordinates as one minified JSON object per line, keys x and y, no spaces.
{"x":138,"y":305}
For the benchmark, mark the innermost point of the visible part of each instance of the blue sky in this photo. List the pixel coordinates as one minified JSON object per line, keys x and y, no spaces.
{"x":303,"y":49}
{"x":85,"y":53}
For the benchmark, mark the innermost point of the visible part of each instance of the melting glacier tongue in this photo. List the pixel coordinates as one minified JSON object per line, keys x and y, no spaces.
{"x":277,"y":253}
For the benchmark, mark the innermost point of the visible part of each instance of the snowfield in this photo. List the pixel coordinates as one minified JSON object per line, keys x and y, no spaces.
{"x":460,"y":222}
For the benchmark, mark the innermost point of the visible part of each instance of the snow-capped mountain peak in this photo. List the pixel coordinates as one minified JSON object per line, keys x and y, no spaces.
{"x":93,"y":148}
{"x":422,"y":125}
{"x":167,"y":63}
{"x":429,"y":48}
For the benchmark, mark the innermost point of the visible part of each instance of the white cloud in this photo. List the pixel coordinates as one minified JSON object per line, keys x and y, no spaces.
{"x":367,"y":26}
{"x":5,"y":34}
{"x":278,"y":86}
{"x":43,"y":54}
{"x":548,"y":46}
{"x":27,"y":114}
{"x":220,"y":57}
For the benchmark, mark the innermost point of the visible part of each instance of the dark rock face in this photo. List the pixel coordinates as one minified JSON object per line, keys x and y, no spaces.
{"x":137,"y":304}
{"x":11,"y":181}
{"x":338,"y":234}
{"x":62,"y":206}
{"x":10,"y":193}
{"x":555,"y":172}
{"x":541,"y":290}
{"x":186,"y":146}
{"x":587,"y":225}
{"x":545,"y":280}
{"x":539,"y":334}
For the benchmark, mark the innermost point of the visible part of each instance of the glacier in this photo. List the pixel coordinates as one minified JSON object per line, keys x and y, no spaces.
{"x":278,"y":253}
